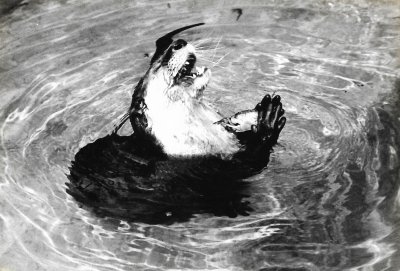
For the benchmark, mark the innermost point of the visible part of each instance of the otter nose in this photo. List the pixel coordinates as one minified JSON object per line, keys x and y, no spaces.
{"x":179,"y":44}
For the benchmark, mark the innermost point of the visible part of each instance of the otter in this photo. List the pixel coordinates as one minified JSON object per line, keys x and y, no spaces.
{"x":182,"y":158}
{"x":167,"y":104}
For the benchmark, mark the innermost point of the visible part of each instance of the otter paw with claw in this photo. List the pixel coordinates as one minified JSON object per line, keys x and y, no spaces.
{"x":270,"y":120}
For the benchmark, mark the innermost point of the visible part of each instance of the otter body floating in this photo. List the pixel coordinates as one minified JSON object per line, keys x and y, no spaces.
{"x":182,"y":158}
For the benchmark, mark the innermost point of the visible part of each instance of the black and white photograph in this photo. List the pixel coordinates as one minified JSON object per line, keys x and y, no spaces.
{"x":215,"y":135}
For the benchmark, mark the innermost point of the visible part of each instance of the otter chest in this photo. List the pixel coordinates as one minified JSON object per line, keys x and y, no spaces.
{"x":185,"y":128}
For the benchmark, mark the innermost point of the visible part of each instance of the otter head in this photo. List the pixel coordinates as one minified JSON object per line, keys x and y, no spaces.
{"x":172,"y":71}
{"x":171,"y":80}
{"x":175,"y":73}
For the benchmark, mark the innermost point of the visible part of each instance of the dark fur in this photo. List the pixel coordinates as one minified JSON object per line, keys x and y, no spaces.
{"x":132,"y":178}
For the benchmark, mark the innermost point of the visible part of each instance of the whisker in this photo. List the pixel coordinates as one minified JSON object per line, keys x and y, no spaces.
{"x":205,"y":59}
{"x":204,"y":48}
{"x":208,"y":49}
{"x":202,"y":57}
{"x":205,"y":39}
{"x":223,"y":57}
{"x":215,"y":64}
{"x":216,"y":47}
{"x":202,"y":41}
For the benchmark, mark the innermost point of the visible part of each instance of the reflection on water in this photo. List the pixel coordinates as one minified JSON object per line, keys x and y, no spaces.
{"x":329,"y":197}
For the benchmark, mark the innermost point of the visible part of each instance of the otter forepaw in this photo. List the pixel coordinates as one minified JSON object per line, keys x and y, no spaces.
{"x":137,"y":115}
{"x":270,"y":120}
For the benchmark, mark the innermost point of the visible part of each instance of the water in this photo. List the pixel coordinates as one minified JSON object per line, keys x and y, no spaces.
{"x":329,"y":197}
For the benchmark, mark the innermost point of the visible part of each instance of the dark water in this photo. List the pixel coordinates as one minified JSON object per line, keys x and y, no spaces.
{"x":327,"y":201}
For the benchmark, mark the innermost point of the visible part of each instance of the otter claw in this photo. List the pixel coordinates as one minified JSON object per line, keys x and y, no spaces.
{"x":266,"y":100}
{"x":276,"y":100}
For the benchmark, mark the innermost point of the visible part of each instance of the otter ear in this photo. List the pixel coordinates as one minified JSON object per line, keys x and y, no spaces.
{"x":165,"y":41}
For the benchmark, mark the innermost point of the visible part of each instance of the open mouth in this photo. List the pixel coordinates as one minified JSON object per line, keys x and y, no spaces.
{"x":189,"y":72}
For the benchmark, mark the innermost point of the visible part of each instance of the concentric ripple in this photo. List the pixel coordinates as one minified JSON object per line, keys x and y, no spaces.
{"x":328,"y":200}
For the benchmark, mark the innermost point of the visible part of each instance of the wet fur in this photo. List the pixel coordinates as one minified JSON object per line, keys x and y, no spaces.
{"x":175,"y":113}
{"x":182,"y":123}
{"x":181,"y":158}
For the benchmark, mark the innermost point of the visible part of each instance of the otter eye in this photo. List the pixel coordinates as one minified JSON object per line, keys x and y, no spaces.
{"x":179,"y":44}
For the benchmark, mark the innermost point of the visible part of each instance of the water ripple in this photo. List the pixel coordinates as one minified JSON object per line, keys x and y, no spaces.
{"x":329,"y":197}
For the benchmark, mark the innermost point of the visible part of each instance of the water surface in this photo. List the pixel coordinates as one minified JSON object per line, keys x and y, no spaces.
{"x":328,"y":200}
